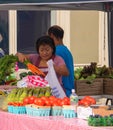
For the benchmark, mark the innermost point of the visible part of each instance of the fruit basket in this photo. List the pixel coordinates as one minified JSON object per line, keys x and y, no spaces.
{"x":84,"y":88}
{"x":10,"y":108}
{"x":56,"y":111}
{"x":17,"y":109}
{"x":34,"y":110}
{"x":68,"y":112}
{"x":108,"y":86}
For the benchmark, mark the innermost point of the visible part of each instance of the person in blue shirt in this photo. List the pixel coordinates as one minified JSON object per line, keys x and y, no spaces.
{"x":57,"y":34}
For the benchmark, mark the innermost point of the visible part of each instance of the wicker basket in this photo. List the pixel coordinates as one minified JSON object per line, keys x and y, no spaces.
{"x":108,"y":86}
{"x":83,"y":88}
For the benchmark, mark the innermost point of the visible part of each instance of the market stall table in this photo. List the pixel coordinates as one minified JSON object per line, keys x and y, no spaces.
{"x":9,"y":121}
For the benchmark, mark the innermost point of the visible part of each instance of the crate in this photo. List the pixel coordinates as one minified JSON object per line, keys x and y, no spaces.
{"x":108,"y":86}
{"x":83,"y":88}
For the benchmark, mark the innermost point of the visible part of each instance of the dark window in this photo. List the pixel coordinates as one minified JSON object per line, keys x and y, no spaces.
{"x":4,"y":44}
{"x":30,"y":26}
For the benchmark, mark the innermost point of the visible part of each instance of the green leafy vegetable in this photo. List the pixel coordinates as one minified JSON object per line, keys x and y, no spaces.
{"x":7,"y":66}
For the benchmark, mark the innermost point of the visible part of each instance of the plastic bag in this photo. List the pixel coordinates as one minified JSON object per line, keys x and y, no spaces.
{"x":51,"y":77}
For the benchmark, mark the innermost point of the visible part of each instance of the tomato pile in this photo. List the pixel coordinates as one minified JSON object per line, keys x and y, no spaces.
{"x":87,"y":101}
{"x":43,"y":101}
{"x":53,"y":101}
{"x":47,"y":101}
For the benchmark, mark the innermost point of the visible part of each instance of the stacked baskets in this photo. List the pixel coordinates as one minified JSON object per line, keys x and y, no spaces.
{"x":34,"y":110}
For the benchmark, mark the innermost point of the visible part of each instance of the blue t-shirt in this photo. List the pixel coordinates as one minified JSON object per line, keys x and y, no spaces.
{"x":68,"y":81}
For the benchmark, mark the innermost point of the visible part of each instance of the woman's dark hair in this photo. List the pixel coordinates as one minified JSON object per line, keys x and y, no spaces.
{"x":57,"y":31}
{"x":45,"y":40}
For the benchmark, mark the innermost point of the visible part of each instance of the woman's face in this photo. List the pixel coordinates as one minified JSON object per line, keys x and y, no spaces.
{"x":45,"y":52}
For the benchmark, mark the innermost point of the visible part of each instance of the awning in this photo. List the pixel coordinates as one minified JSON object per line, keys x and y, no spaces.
{"x":52,"y":1}
{"x":55,"y":4}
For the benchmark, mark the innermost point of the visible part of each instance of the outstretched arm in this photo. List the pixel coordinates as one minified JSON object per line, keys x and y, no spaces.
{"x":22,"y":57}
{"x":61,"y":70}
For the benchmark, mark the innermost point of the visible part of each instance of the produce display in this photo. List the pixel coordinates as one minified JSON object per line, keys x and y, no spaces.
{"x":98,"y":120}
{"x":39,"y":101}
{"x":87,"y":101}
{"x":39,"y":106}
{"x":92,"y":71}
{"x":7,"y":69}
{"x":18,"y":94}
{"x":47,"y":101}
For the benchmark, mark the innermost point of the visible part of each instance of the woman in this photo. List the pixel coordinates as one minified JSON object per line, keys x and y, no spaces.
{"x":45,"y":51}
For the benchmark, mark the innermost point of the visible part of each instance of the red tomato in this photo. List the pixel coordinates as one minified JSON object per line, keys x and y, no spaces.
{"x":91,"y":99}
{"x":86,"y":103}
{"x":87,"y":97}
{"x":52,"y":98}
{"x":47,"y":102}
{"x":39,"y":102}
{"x":82,"y":101}
{"x":52,"y":102}
{"x":55,"y":104}
{"x":31,"y":99}
{"x":66,"y":99}
{"x":59,"y":100}
{"x":79,"y":102}
{"x":68,"y":102}
{"x":16,"y":104}
{"x":20,"y":104}
{"x":26,"y":100}
{"x":10,"y":103}
{"x":44,"y":98}
{"x":63,"y":102}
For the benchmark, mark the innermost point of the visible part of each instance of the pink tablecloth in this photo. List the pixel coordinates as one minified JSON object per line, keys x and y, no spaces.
{"x":10,"y":121}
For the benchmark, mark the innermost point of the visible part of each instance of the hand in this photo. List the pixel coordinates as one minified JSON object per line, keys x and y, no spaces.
{"x":21,"y":57}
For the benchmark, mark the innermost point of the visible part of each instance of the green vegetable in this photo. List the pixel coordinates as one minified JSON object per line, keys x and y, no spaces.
{"x":23,"y":74}
{"x":7,"y":66}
